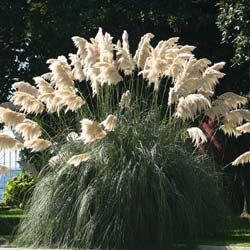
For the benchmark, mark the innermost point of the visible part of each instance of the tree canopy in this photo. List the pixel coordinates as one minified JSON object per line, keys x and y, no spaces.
{"x":33,"y":31}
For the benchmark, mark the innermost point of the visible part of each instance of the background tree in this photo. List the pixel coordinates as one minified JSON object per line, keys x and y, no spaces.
{"x":233,"y":22}
{"x":12,"y":43}
{"x":33,"y":31}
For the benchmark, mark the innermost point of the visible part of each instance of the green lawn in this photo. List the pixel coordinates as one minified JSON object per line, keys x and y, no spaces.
{"x":238,"y":234}
{"x":9,"y":220}
{"x":11,"y":213}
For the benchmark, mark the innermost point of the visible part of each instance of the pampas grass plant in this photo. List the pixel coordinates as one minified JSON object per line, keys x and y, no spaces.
{"x":112,"y":124}
{"x":142,"y":188}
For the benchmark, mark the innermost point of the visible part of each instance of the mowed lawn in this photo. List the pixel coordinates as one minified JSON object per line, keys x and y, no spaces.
{"x":238,"y":233}
{"x":9,"y":220}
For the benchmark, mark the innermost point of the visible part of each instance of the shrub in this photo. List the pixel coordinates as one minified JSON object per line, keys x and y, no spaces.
{"x":18,"y":190}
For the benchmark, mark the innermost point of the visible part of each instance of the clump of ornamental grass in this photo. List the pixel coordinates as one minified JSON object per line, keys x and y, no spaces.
{"x":119,"y":173}
{"x":140,"y":187}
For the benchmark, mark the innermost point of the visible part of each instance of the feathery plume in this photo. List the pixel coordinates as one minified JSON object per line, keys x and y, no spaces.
{"x":90,"y":70}
{"x":110,"y":122}
{"x":108,"y":73}
{"x":28,"y":129}
{"x":197,"y":67}
{"x":37,"y":145}
{"x":202,"y":64}
{"x":69,"y":99}
{"x":155,"y":66}
{"x":124,"y":59}
{"x":189,"y":106}
{"x":95,"y":85}
{"x":76,"y":160}
{"x":242,"y":159}
{"x":143,"y":51}
{"x":10,"y":118}
{"x":171,"y":42}
{"x":105,"y":45}
{"x":47,"y":76}
{"x":43,"y":86}
{"x":4,"y":170}
{"x":80,"y":43}
{"x":7,"y":142}
{"x":182,"y":70}
{"x":106,"y":49}
{"x":205,"y":93}
{"x":53,"y":103}
{"x":62,"y":77}
{"x":186,"y":49}
{"x":28,"y":103}
{"x":77,"y":71}
{"x":125,"y":99}
{"x":232,"y":100}
{"x":197,"y":136}
{"x":63,"y":61}
{"x":170,"y":56}
{"x":230,"y":130}
{"x":98,"y":37}
{"x":106,"y":65}
{"x":176,"y":62}
{"x":183,"y":88}
{"x":245,"y":128}
{"x":172,"y":96}
{"x":237,"y":116}
{"x":26,"y":88}
{"x":211,"y":77}
{"x":125,"y":43}
{"x":8,"y":105}
{"x":91,"y":131}
{"x":93,"y":56}
{"x":218,"y":66}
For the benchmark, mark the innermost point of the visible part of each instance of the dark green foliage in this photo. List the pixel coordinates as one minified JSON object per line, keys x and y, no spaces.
{"x":18,"y":190}
{"x":9,"y":220}
{"x":233,"y":22}
{"x":143,"y":188}
{"x":238,"y":232}
{"x":12,"y":43}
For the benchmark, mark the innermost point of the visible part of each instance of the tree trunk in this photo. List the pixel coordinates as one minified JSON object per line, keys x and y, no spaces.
{"x":244,"y":178}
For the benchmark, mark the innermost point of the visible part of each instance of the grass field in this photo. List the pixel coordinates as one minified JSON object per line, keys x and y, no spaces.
{"x":11,"y":213}
{"x":9,"y":220}
{"x":238,"y":232}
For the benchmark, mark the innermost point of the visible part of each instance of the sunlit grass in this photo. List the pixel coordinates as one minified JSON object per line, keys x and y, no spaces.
{"x":11,"y":213}
{"x":237,"y":234}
